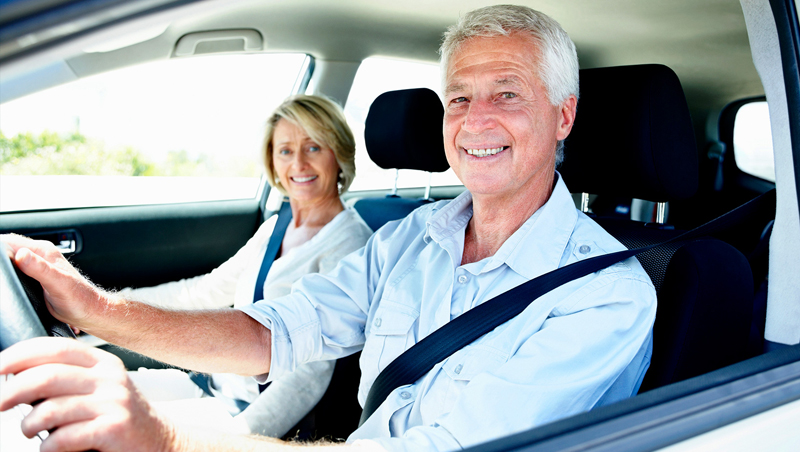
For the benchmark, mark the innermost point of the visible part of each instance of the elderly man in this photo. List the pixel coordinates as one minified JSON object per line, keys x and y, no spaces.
{"x":510,"y":98}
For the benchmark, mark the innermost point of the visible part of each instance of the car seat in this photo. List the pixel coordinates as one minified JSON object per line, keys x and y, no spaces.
{"x":633,"y":138}
{"x":403,"y":130}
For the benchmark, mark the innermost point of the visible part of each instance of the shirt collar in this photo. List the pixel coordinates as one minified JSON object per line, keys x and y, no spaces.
{"x":450,"y":218}
{"x":544,"y":235}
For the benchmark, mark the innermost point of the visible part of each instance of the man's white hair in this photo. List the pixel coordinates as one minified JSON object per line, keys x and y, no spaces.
{"x":558,"y":67}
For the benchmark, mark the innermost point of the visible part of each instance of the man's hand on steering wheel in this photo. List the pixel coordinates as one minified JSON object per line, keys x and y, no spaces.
{"x":69,"y":296}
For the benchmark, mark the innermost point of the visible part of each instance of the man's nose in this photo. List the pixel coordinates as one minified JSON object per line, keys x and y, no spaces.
{"x":480,"y":117}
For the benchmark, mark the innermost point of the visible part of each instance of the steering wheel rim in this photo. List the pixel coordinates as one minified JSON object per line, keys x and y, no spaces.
{"x":23,"y":312}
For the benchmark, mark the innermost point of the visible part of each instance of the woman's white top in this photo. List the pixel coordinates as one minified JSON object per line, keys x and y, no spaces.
{"x":233,"y":284}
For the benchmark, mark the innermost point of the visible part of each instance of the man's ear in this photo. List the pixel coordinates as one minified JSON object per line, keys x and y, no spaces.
{"x":566,"y":117}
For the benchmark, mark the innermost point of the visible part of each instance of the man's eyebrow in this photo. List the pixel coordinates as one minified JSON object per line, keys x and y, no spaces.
{"x":510,"y":80}
{"x":453,"y":88}
{"x":504,"y":81}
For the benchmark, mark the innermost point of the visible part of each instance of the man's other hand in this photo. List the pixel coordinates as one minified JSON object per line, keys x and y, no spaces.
{"x":82,"y":395}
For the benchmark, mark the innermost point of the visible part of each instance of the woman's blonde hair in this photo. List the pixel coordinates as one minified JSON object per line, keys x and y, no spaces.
{"x":323,"y":121}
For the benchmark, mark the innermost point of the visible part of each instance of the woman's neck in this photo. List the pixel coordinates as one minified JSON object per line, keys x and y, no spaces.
{"x":315,"y":214}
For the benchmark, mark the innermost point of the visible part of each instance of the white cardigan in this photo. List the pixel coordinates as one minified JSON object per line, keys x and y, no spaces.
{"x":287,"y":400}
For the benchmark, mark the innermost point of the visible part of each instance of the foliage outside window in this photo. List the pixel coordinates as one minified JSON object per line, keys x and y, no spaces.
{"x":179,"y":130}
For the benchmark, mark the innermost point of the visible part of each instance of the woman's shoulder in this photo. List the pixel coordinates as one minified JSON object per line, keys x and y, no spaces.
{"x":353,"y":225}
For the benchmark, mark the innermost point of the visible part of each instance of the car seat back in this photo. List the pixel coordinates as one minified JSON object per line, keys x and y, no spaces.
{"x":633,"y":138}
{"x":403,"y":130}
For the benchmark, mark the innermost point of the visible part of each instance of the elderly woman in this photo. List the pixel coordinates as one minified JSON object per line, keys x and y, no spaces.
{"x":309,"y":156}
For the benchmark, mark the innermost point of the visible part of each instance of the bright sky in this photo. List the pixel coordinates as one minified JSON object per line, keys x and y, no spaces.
{"x":214,"y":105}
{"x":211,"y":104}
{"x":752,"y":140}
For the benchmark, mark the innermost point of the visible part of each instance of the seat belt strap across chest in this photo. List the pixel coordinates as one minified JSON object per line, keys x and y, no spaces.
{"x":415,"y":362}
{"x":273,"y":246}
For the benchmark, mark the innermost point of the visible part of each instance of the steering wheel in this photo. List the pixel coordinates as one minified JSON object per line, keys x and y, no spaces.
{"x":23,"y":313}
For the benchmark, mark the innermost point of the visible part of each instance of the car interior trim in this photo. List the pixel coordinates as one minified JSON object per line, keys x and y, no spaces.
{"x":663,"y":416}
{"x":45,"y":28}
{"x":785,"y":14}
{"x":784,"y":244}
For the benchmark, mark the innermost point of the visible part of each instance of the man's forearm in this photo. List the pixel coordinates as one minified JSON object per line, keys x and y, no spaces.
{"x":218,"y":340}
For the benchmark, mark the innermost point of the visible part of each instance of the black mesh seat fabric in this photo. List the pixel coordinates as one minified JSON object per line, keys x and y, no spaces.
{"x":633,"y":138}
{"x":403,"y":130}
{"x":704,"y":313}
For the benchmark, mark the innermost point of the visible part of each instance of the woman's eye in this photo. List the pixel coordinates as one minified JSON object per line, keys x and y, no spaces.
{"x":313,"y":149}
{"x":284,"y":152}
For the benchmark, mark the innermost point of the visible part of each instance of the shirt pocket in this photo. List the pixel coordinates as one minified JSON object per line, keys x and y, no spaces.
{"x":464,"y":366}
{"x":391,"y":333}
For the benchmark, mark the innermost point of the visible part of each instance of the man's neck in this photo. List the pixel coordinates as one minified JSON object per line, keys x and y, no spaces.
{"x":495,"y":219}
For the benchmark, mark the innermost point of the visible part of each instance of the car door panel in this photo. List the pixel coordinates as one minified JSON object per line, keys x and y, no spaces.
{"x":136,"y":246}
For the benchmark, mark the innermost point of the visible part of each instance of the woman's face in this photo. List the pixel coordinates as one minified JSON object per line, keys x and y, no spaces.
{"x":306,"y":170}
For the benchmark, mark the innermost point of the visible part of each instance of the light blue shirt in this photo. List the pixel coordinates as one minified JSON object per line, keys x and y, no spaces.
{"x":584,"y":344}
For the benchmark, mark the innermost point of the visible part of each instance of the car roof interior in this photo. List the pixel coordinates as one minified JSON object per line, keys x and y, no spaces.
{"x":647,"y":32}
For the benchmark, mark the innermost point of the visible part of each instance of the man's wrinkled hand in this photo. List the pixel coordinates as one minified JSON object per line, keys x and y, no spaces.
{"x":82,"y":395}
{"x":70,"y":297}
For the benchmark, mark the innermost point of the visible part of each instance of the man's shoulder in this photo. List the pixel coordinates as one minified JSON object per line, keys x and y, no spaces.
{"x":589,"y":239}
{"x":586,"y":229}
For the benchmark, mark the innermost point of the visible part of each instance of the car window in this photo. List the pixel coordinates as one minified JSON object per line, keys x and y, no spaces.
{"x":376,"y":76}
{"x":752,"y":141}
{"x":180,"y":130}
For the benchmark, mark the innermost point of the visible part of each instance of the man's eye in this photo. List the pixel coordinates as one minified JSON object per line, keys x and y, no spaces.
{"x":458,"y":100}
{"x":508,"y":95}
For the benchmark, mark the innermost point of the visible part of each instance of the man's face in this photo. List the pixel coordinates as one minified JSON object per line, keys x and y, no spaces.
{"x":499,"y":126}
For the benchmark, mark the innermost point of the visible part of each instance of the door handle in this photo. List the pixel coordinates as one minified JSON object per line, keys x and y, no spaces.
{"x":67,"y":241}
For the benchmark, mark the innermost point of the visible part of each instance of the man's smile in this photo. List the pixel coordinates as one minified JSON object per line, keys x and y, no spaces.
{"x":486,"y":152}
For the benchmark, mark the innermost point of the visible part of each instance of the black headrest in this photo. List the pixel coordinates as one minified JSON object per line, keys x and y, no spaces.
{"x":404,"y":130}
{"x":632,"y":136}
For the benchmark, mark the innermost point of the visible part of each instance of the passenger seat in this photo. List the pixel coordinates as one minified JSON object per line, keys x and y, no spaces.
{"x":403,"y":130}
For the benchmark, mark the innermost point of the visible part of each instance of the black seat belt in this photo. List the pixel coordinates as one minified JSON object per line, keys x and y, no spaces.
{"x":415,"y":362}
{"x":273,"y":246}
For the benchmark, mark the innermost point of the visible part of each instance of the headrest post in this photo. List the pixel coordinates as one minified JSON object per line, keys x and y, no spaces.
{"x":428,"y":187}
{"x":661,"y":213}
{"x":396,"y":177}
{"x":585,"y":202}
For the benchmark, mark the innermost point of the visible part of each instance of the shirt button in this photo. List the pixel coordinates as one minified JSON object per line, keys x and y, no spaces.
{"x":462,"y":279}
{"x":377,"y":322}
{"x":585,"y":249}
{"x":458,"y":368}
{"x":405,"y":395}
